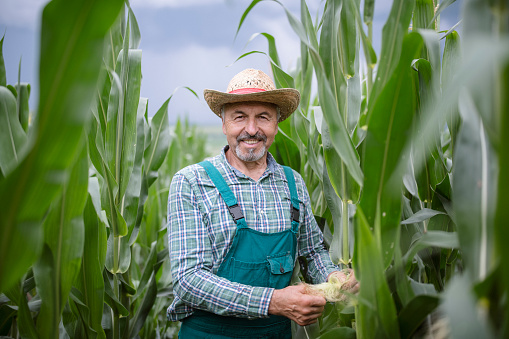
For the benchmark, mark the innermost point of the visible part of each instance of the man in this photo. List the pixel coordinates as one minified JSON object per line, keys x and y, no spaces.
{"x":237,"y":223}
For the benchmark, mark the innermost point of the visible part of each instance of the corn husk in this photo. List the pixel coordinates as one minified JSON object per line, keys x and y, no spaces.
{"x":330,"y":290}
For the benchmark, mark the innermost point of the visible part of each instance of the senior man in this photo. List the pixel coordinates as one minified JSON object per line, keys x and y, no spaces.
{"x":237,"y":223}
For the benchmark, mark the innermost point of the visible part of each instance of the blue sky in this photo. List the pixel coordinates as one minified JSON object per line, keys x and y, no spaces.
{"x":184,"y":43}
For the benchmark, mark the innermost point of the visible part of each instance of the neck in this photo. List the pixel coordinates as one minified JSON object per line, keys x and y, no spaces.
{"x":253,"y":169}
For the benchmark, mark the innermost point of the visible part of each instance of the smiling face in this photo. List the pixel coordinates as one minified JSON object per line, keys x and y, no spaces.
{"x":250,"y":128}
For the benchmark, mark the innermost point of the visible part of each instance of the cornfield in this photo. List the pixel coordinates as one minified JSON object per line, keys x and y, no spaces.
{"x":402,"y":153}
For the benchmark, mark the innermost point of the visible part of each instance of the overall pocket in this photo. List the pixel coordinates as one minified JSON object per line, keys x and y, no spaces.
{"x":250,"y":273}
{"x":281,"y":269}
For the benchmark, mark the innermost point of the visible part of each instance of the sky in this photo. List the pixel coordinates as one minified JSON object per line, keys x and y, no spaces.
{"x":185,"y":43}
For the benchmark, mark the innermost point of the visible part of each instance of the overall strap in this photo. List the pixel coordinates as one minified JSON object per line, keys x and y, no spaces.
{"x":295,"y":198}
{"x":226,"y":193}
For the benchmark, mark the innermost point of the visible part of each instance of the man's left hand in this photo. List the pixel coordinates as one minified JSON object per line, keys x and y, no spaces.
{"x":347,"y":278}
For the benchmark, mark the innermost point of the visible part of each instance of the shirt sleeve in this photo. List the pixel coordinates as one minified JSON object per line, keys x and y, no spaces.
{"x":192,"y":261}
{"x":311,"y":244}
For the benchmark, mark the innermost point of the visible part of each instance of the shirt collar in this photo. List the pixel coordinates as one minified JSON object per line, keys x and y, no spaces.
{"x":271,"y":164}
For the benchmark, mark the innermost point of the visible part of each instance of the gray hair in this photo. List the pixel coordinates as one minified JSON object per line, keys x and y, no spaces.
{"x":278,"y":111}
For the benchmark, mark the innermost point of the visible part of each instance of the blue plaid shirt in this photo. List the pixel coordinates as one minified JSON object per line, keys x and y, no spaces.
{"x":201,"y":230}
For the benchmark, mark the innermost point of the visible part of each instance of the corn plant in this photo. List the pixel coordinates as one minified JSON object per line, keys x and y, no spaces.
{"x":413,"y":181}
{"x":83,"y":242}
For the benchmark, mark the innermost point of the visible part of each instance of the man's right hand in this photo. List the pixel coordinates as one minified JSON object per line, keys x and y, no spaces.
{"x":293,"y":303}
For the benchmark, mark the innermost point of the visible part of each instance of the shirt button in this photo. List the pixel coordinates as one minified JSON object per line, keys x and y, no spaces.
{"x":262,"y":212}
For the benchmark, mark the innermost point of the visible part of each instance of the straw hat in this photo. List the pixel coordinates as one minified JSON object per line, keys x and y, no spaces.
{"x":253,"y":85}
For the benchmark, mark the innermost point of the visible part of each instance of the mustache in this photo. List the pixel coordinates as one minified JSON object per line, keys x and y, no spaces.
{"x":246,"y":136}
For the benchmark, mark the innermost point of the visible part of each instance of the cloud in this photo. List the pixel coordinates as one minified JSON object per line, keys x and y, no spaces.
{"x":174,"y":3}
{"x":21,"y":13}
{"x":194,"y":66}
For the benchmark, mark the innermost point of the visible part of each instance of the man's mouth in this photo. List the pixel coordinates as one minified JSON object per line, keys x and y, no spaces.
{"x":251,"y":141}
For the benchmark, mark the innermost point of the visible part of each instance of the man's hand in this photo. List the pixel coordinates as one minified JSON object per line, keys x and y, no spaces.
{"x":347,"y":278}
{"x":293,"y":303}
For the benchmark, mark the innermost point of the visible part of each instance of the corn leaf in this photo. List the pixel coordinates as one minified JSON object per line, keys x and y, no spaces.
{"x":385,"y":142}
{"x":63,"y":235}
{"x":145,"y":307}
{"x":421,"y":215}
{"x":414,"y":314}
{"x":159,"y":140}
{"x":26,"y":326}
{"x":395,"y":29}
{"x":3,"y":76}
{"x":340,"y":138}
{"x":459,"y":304}
{"x":91,"y":279}
{"x":376,"y":317}
{"x":431,"y":239}
{"x":23,"y":110}
{"x":133,"y":210}
{"x":12,"y":135}
{"x":121,"y":124}
{"x":474,"y":190}
{"x":502,"y":214}
{"x":72,"y":40}
{"x":369,"y":9}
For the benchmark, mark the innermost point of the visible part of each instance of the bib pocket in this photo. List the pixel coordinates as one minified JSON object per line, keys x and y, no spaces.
{"x":281,"y":269}
{"x":250,"y":273}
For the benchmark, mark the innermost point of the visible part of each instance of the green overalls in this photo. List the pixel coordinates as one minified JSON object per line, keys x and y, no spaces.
{"x":255,"y":259}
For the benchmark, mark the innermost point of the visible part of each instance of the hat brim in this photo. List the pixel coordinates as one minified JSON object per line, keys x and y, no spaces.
{"x":287,"y":99}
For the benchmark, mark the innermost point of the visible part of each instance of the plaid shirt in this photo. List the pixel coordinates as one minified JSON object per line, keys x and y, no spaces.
{"x":201,"y":231}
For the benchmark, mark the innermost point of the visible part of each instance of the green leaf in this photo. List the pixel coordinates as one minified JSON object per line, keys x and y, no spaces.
{"x":421,"y":215}
{"x":63,"y":234}
{"x":160,"y":139}
{"x":121,"y":120}
{"x":474,"y":190}
{"x":110,"y":299}
{"x":450,"y":62}
{"x":135,"y":35}
{"x":443,"y":5}
{"x":388,"y":128}
{"x":284,"y":149}
{"x":339,"y":333}
{"x":339,"y":134}
{"x":7,"y":314}
{"x":12,"y":135}
{"x":369,"y":9}
{"x":25,"y":322}
{"x":82,"y":313}
{"x":346,"y":188}
{"x":132,"y":211}
{"x":393,"y":33}
{"x":376,"y":315}
{"x":3,"y":76}
{"x":431,"y":239}
{"x":414,"y":314}
{"x":244,"y":15}
{"x":72,"y":41}
{"x":423,"y":14}
{"x":144,"y":309}
{"x":92,"y":284}
{"x":459,"y":305}
{"x":23,"y":110}
{"x":501,"y":231}
{"x":333,"y":202}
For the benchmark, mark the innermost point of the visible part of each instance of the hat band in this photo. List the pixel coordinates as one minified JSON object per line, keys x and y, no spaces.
{"x":246,"y":90}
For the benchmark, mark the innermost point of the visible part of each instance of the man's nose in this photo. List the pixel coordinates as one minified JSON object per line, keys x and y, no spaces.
{"x":251,"y":127}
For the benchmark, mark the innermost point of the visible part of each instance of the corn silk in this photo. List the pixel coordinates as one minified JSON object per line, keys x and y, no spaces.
{"x":331,"y":290}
